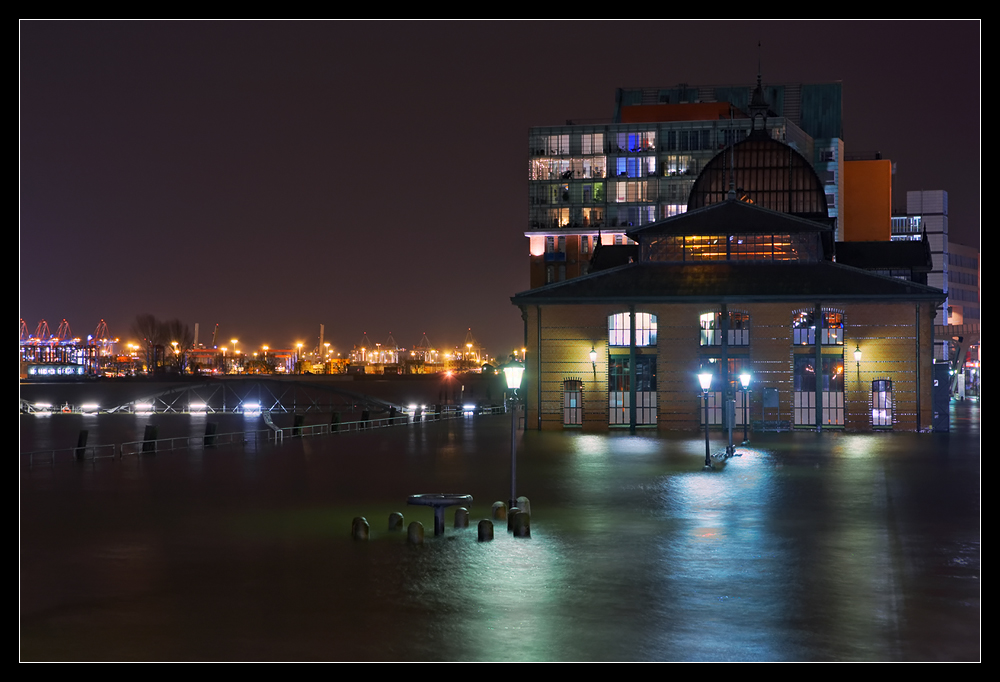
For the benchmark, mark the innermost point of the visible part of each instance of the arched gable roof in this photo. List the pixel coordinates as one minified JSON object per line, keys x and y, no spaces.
{"x":765,"y":172}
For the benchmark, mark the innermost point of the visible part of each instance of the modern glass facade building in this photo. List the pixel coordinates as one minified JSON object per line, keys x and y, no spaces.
{"x":595,"y":181}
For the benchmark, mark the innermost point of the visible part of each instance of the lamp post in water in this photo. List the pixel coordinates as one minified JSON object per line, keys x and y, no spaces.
{"x":512,"y":372}
{"x":705,"y":379}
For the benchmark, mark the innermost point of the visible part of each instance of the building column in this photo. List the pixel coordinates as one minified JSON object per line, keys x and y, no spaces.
{"x":631,"y":369}
{"x":818,"y":364}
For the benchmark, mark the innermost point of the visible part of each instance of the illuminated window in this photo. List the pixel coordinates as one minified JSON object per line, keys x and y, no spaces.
{"x":701,"y":248}
{"x":645,"y":329}
{"x":619,"y":390}
{"x":882,"y":402}
{"x":635,"y":166}
{"x":637,"y":142}
{"x":592,"y":143}
{"x":831,"y":328}
{"x":738,"y":329}
{"x":572,"y":402}
{"x":593,"y":217}
{"x":556,"y":217}
{"x":550,"y":144}
{"x":677,"y":164}
{"x":831,"y":391}
{"x":631,"y":191}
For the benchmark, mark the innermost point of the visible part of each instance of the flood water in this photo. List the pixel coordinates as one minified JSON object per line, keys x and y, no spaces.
{"x":808,"y":547}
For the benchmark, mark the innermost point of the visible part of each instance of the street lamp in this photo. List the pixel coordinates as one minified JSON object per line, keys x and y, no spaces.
{"x":745,"y":381}
{"x":857,"y":360}
{"x":513,"y":371}
{"x":705,"y":379}
{"x":593,"y":360}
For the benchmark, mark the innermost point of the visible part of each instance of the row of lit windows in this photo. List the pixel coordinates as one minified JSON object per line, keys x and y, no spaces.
{"x":596,"y":167}
{"x":671,"y":137}
{"x":804,"y":327}
{"x":707,"y":139}
{"x":804,"y":403}
{"x":593,"y":143}
{"x":670,"y":191}
{"x":771,"y":247}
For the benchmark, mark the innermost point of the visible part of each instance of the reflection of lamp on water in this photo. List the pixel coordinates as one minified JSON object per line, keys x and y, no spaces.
{"x":705,"y":379}
{"x":513,"y":372}
{"x":745,"y":382}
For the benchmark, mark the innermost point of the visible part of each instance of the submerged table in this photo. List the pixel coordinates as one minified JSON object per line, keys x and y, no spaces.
{"x":440,"y":502}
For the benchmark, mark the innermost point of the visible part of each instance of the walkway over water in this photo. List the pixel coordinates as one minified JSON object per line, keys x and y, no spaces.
{"x":269,"y":395}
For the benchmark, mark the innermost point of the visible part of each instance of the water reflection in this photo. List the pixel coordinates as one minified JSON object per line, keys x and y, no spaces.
{"x":806,"y":547}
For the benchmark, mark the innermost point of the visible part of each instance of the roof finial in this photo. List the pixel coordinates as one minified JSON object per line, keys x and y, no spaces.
{"x":758,"y":105}
{"x":758,"y":63}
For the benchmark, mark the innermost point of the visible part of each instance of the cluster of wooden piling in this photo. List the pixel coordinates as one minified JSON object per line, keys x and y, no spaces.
{"x":518,"y":520}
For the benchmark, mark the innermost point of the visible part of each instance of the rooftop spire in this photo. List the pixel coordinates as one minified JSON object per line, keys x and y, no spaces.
{"x":758,"y":104}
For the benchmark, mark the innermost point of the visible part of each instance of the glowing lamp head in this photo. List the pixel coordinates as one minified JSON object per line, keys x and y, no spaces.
{"x":705,"y":379}
{"x":857,"y":353}
{"x":745,"y":379}
{"x":512,"y":372}
{"x":593,"y":356}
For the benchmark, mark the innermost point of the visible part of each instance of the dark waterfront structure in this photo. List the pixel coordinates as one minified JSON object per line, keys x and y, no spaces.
{"x":839,"y":546}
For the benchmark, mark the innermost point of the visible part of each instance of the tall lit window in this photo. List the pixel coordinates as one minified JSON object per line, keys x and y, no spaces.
{"x":572,"y":402}
{"x":619,"y":390}
{"x":882,"y":402}
{"x":619,"y":333}
{"x":831,"y":390}
{"x":592,"y":143}
{"x":631,"y":191}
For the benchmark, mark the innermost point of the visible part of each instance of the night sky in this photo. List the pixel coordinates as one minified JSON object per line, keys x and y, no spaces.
{"x":372,"y":176}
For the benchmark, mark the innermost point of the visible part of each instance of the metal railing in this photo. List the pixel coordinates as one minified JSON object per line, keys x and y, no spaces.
{"x":274,"y":434}
{"x":143,"y":447}
{"x":80,"y":453}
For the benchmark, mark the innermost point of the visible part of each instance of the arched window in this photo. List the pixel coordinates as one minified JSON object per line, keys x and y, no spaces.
{"x":619,"y":332}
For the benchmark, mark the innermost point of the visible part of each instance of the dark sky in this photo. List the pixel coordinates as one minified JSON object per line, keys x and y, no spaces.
{"x":372,"y":176}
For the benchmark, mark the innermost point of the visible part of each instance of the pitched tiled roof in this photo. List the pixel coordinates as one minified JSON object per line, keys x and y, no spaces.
{"x":729,"y":217}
